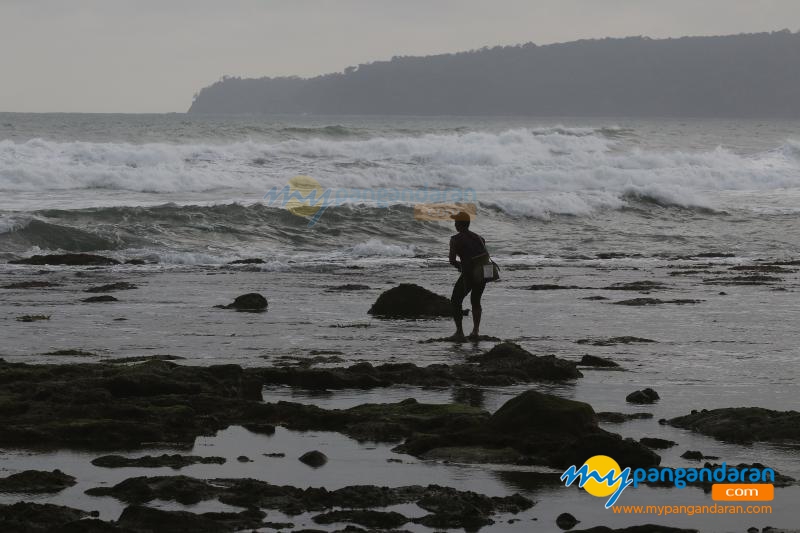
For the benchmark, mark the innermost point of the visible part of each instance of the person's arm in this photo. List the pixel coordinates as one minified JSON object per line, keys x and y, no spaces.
{"x":453,"y":254}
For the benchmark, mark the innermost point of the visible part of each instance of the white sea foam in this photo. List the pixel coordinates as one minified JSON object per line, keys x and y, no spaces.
{"x":11,"y":223}
{"x":377,"y":248}
{"x":552,"y":170}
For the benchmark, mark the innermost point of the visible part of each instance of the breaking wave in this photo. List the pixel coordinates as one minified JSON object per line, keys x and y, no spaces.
{"x":552,"y":160}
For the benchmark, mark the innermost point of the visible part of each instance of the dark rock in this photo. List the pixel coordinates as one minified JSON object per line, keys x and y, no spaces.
{"x":275,"y":454}
{"x":26,"y":517}
{"x":349,"y":287}
{"x":535,"y":411}
{"x":90,"y":525}
{"x":592,"y":360}
{"x":461,"y":340}
{"x":544,"y":429}
{"x":29,"y":285}
{"x":148,"y":519}
{"x":512,"y":358}
{"x":647,"y":528}
{"x":100,"y":299}
{"x":446,"y":505}
{"x":640,"y":286}
{"x":314,"y":459}
{"x":595,"y":298}
{"x":70,"y":352}
{"x":175,"y":461}
{"x":754,"y":279}
{"x":363,"y":517}
{"x":142,"y":359}
{"x":250,"y":261}
{"x":452,"y":509}
{"x":135,"y":261}
{"x":655,"y":301}
{"x":566,"y":521}
{"x":244,"y":459}
{"x":119,"y":286}
{"x":261,"y":429}
{"x":36,"y":482}
{"x":325,"y":352}
{"x":116,"y":406}
{"x":647,"y":395}
{"x":119,"y":406}
{"x":181,"y":489}
{"x":505,"y":364}
{"x":612,"y":255}
{"x":551,"y":287}
{"x":411,"y":301}
{"x":66,"y":259}
{"x":693,"y":455}
{"x":775,"y":269}
{"x":713,"y":255}
{"x":618,"y":418}
{"x":32,"y":318}
{"x":656,"y":443}
{"x":613,"y":341}
{"x":252,"y":302}
{"x":743,"y":424}
{"x":307,"y":362}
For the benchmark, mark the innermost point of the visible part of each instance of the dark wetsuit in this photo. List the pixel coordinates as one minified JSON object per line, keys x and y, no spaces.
{"x":466,"y":245}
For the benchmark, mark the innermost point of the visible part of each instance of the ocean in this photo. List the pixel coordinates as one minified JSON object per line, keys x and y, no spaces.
{"x":695,"y":206}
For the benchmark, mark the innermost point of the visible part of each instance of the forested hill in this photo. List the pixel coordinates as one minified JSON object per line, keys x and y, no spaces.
{"x":752,"y":75}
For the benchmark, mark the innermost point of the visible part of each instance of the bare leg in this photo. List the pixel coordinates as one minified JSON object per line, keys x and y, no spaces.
{"x":477,"y":310}
{"x":476,"y":320}
{"x":460,"y":291}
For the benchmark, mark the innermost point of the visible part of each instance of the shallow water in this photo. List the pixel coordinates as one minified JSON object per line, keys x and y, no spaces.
{"x":737,"y":349}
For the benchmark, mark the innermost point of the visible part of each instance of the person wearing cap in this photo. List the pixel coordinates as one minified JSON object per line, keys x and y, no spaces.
{"x":466,"y":249}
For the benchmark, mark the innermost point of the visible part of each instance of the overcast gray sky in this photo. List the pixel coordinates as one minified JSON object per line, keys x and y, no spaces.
{"x":153,"y":55}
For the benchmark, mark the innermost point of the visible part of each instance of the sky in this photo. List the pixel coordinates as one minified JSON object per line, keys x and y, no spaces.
{"x":139,"y":56}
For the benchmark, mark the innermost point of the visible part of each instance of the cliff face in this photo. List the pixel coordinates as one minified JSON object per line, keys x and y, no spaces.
{"x":754,"y":75}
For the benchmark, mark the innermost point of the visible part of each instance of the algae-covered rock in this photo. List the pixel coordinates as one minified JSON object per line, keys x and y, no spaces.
{"x":175,"y":461}
{"x":140,"y":518}
{"x":118,"y":406}
{"x":30,"y":517}
{"x":446,"y":505}
{"x":511,"y":359}
{"x":743,"y":424}
{"x":36,"y":482}
{"x":411,"y":301}
{"x":505,"y":364}
{"x":618,"y":418}
{"x":363,"y":517}
{"x":534,"y":411}
{"x":543,"y":428}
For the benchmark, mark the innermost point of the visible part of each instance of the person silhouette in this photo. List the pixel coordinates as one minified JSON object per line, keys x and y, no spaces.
{"x":466,"y":247}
